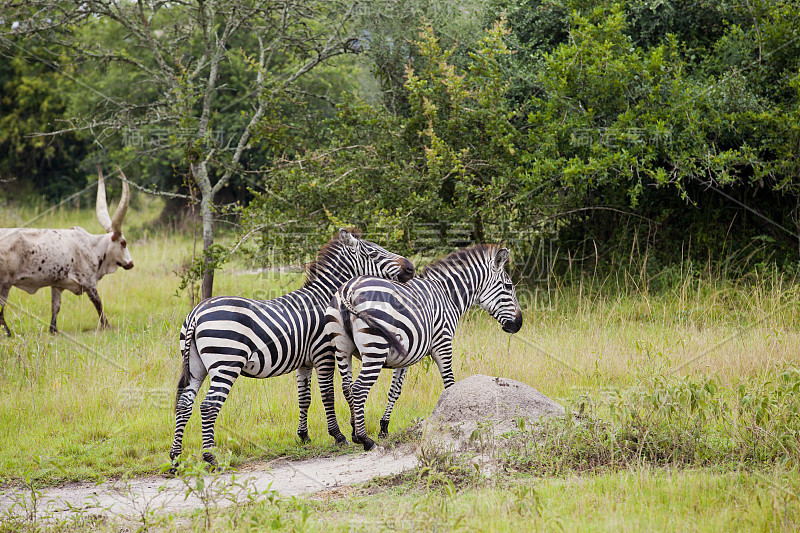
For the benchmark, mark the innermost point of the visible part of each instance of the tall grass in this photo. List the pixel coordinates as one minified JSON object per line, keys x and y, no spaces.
{"x":88,"y":404}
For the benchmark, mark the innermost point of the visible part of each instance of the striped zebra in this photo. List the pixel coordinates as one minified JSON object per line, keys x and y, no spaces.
{"x":395,"y":325}
{"x":228,"y":336}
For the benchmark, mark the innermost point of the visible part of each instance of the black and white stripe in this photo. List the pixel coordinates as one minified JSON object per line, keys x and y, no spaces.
{"x":228,"y":336}
{"x":394,"y":325}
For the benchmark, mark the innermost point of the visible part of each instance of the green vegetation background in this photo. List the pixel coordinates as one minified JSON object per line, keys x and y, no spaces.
{"x":666,"y":129}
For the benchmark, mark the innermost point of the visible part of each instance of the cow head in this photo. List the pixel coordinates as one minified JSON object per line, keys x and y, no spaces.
{"x":117,"y":253}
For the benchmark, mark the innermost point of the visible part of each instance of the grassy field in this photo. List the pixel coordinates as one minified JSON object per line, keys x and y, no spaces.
{"x":89,"y":404}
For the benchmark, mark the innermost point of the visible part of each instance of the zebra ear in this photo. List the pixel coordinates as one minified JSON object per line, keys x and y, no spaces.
{"x":501,"y":258}
{"x":348,"y":238}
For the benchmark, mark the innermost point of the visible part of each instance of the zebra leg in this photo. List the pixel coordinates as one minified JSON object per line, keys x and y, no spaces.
{"x":371,"y":365}
{"x":188,"y":387}
{"x":304,"y":399}
{"x":325,"y":369}
{"x":344,"y":360}
{"x":345,"y":364}
{"x":343,"y":348}
{"x":443,"y":357}
{"x":394,"y":392}
{"x":221,"y":377}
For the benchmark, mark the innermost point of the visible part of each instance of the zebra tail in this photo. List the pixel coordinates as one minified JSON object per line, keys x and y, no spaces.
{"x":393,"y":341}
{"x":183,"y":382}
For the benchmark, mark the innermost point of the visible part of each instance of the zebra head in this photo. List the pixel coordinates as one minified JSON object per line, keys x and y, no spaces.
{"x":369,"y":259}
{"x":498,"y":297}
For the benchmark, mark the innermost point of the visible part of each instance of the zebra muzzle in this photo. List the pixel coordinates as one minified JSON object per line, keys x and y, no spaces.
{"x":513,"y":326}
{"x":406,"y":271}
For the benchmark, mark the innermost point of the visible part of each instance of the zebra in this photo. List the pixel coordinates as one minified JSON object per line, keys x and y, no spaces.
{"x":229,"y":336}
{"x":395,"y":325}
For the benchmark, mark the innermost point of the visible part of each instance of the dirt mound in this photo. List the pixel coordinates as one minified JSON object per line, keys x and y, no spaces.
{"x":477,"y":408}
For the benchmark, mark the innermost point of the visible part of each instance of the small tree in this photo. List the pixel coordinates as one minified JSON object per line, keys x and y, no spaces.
{"x":174,"y":53}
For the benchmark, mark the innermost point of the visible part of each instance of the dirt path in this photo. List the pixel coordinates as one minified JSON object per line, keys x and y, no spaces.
{"x":135,"y":497}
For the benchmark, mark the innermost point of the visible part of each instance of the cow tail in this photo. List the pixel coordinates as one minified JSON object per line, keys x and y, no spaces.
{"x":187,"y":338}
{"x":393,"y":341}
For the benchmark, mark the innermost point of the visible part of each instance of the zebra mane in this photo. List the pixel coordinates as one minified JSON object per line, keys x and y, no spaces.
{"x":457,"y":257}
{"x":326,"y":255}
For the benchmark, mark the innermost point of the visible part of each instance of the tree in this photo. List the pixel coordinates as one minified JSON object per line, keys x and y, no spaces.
{"x":449,"y":160}
{"x":586,"y":116}
{"x":175,"y":54}
{"x":685,"y":114}
{"x":32,"y":100}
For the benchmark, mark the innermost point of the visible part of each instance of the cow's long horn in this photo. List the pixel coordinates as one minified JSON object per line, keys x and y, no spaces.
{"x":102,"y":206}
{"x":122,"y":208}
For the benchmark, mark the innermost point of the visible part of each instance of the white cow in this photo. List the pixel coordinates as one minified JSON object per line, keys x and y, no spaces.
{"x":71,"y":259}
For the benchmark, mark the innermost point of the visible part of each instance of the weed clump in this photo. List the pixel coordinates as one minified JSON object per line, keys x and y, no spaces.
{"x":668,"y":421}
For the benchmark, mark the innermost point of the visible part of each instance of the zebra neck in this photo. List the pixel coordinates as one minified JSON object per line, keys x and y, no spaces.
{"x":462,"y":290}
{"x":325,"y":284}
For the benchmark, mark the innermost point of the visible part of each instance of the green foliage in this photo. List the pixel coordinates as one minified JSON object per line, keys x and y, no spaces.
{"x":448,"y":161}
{"x":107,"y":92}
{"x":659,"y":126}
{"x":658,"y":110}
{"x":655,"y":126}
{"x":32,"y":100}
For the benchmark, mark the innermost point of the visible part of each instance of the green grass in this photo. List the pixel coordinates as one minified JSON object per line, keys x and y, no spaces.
{"x":634,"y":500}
{"x":89,"y":404}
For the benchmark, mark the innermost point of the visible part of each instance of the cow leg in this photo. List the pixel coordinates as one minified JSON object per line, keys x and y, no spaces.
{"x":394,"y":393}
{"x":95,"y":299}
{"x":3,"y":299}
{"x":55,"y":307}
{"x":304,"y":399}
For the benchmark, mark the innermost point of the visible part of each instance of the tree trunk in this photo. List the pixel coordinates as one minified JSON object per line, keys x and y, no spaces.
{"x":200,"y":173}
{"x":207,"y":212}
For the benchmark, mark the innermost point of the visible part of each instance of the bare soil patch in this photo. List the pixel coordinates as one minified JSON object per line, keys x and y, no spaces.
{"x":130,"y":498}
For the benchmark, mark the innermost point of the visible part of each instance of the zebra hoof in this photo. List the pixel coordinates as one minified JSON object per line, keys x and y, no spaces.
{"x":210,"y":459}
{"x":174,"y":463}
{"x":304,"y":438}
{"x":341,"y":440}
{"x":384,"y":429}
{"x":368,"y":443}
